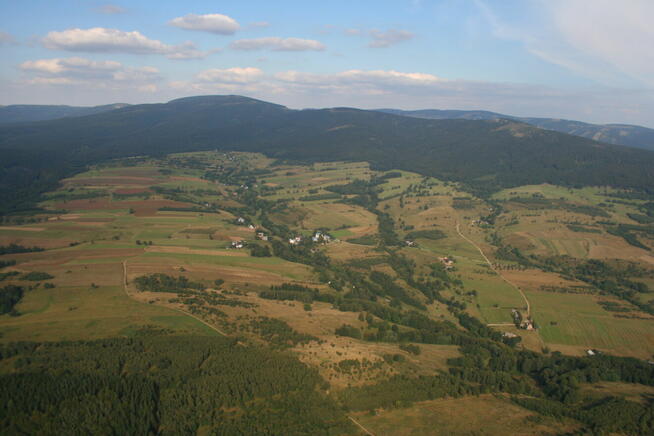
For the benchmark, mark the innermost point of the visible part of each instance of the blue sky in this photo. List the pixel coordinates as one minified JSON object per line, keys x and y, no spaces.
{"x":580,"y":59}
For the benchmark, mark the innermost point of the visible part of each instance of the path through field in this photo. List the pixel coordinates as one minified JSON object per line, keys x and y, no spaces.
{"x":365,"y":430}
{"x":174,"y":308}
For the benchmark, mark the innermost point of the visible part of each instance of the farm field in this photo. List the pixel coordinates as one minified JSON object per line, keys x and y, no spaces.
{"x":364,"y":276}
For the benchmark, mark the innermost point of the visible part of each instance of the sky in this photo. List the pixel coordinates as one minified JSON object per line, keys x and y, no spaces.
{"x":589,"y":60}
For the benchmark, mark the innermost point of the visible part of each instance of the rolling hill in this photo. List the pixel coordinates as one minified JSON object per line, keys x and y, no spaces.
{"x":486,"y":155}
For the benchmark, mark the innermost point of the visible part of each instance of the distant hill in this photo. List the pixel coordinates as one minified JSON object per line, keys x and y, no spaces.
{"x":485,"y":155}
{"x":19,"y":113}
{"x":619,"y":134}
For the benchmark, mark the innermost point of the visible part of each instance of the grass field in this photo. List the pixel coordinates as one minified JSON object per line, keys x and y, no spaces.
{"x":484,"y":415}
{"x":575,"y":323}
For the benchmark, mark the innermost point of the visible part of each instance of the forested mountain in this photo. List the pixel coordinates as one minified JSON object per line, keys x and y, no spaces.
{"x":618,"y":134}
{"x":486,"y":155}
{"x":20,"y":113}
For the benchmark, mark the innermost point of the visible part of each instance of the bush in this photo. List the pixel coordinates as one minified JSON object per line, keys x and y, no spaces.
{"x":349,"y":331}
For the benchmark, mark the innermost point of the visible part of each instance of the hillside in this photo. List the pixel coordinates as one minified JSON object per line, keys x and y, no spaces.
{"x":484,"y":155}
{"x":617,"y":134}
{"x":24,"y":113}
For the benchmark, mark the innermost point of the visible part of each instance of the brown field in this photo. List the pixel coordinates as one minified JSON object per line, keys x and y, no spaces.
{"x":22,"y":228}
{"x":237,"y":276}
{"x":125,"y":191}
{"x":6,"y":239}
{"x":141,"y":208}
{"x":108,"y":181}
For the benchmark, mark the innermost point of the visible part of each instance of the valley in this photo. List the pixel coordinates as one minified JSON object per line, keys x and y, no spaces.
{"x":372,"y":279}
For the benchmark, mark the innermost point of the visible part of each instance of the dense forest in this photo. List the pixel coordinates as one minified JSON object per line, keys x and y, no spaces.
{"x":160,"y":384}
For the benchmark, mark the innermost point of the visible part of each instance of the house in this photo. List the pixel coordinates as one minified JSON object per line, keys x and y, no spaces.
{"x":509,"y":335}
{"x":237,"y":244}
{"x":410,"y":243}
{"x":262,"y":236}
{"x":321,"y":237}
{"x":240,"y":220}
{"x":295,"y":241}
{"x":526,"y":324}
{"x":448,"y":262}
{"x":251,"y":227}
{"x":590,"y":352}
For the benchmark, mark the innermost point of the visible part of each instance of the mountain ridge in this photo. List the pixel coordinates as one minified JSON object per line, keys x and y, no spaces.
{"x":613,"y":133}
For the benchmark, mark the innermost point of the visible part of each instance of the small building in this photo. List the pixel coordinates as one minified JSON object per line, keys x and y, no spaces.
{"x":448,"y":262}
{"x":237,"y":244}
{"x":590,"y":352}
{"x":410,"y":243}
{"x":321,"y":237}
{"x":295,"y":241}
{"x":262,"y":236}
{"x":240,"y":220}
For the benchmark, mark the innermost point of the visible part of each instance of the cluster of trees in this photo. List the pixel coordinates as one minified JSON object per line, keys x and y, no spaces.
{"x":6,"y":263}
{"x":36,"y":276}
{"x":160,"y":282}
{"x":257,"y":250}
{"x":158,"y":384}
{"x":10,"y":295}
{"x":297,"y":292}
{"x":16,"y":248}
{"x":278,"y":333}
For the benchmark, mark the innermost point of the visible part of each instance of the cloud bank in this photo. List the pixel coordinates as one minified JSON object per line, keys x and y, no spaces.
{"x":103,"y":40}
{"x":84,"y":72}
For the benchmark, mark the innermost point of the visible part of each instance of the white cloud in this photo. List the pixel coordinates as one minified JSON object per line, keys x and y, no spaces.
{"x":84,"y":72}
{"x":102,"y":40}
{"x":278,"y":44}
{"x":370,"y":79}
{"x":212,"y":23}
{"x":110,"y":9}
{"x":383,"y":39}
